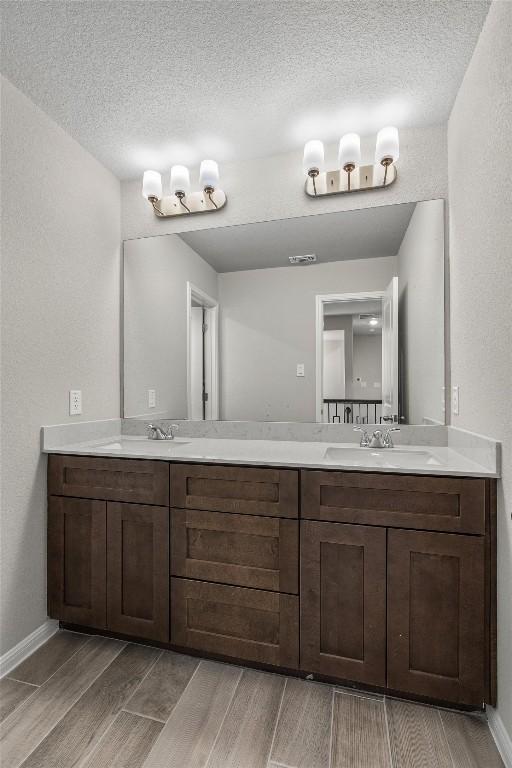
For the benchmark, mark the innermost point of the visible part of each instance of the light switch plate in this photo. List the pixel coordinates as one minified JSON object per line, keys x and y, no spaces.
{"x":75,"y":402}
{"x":151,"y":398}
{"x":455,"y":400}
{"x":300,"y":369}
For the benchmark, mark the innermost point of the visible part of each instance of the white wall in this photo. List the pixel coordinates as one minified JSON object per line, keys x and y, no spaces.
{"x":421,"y":315}
{"x":267,"y":326}
{"x":60,"y":327}
{"x":155,"y":322}
{"x":273,"y":187}
{"x":480,"y":177}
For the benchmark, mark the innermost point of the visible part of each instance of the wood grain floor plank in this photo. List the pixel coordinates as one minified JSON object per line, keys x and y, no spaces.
{"x":12,"y":693}
{"x":126,"y":744}
{"x":159,"y":693}
{"x":303,"y":733}
{"x":245,"y":737}
{"x":188,"y":736}
{"x":84,"y":724}
{"x":416,"y":735}
{"x":32,"y":721}
{"x":44,"y":662}
{"x":470,"y":741}
{"x":359,"y":733}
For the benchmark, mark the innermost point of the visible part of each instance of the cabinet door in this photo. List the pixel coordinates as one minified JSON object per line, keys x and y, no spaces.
{"x":138,"y":570}
{"x":436,"y":618}
{"x":76,"y":561}
{"x":343,"y":601}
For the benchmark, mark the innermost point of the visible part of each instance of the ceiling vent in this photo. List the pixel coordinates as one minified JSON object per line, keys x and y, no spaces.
{"x":307,"y":259}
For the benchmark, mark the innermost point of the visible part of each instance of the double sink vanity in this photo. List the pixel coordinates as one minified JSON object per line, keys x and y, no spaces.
{"x":263,"y":532}
{"x":373,"y":568}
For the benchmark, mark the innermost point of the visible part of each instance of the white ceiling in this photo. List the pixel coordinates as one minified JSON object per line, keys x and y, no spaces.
{"x":362,"y":234}
{"x":148,"y":84}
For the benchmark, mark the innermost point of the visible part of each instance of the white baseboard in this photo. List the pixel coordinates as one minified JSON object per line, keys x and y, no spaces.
{"x":28,"y":645}
{"x":500,"y":735}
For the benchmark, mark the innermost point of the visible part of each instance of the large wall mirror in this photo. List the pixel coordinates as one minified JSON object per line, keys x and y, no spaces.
{"x":221,"y":324}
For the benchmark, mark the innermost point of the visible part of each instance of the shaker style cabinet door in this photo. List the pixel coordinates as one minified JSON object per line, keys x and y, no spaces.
{"x":343,"y":601}
{"x":138,"y":570}
{"x":436,"y":621}
{"x":77,"y":561}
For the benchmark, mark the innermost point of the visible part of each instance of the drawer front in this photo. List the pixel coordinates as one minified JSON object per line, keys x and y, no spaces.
{"x":400,"y":501}
{"x":243,"y":550}
{"x":243,"y":490}
{"x":245,"y":624}
{"x":136,"y":480}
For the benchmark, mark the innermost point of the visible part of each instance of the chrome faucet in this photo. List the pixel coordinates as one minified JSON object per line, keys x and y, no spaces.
{"x":157,"y":433}
{"x":377,"y":439}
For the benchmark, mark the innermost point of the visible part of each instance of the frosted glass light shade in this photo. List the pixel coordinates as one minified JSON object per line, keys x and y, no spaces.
{"x":180,"y":179}
{"x":209,"y":174}
{"x":313,"y":156}
{"x":151,"y":185}
{"x":387,"y":144}
{"x":349,"y":150}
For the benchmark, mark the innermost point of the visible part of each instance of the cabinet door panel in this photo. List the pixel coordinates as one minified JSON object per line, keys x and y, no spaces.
{"x":436,"y":618}
{"x":343,"y":601}
{"x":138,"y":570}
{"x":233,"y":621}
{"x":76,"y":561}
{"x":243,"y":490}
{"x":243,"y":550}
{"x":137,"y":480}
{"x":400,"y":501}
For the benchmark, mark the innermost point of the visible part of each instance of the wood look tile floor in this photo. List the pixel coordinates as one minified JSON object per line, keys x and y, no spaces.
{"x":85,"y":701}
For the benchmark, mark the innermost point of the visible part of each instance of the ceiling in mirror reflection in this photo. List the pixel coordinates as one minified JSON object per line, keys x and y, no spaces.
{"x":364,"y":234}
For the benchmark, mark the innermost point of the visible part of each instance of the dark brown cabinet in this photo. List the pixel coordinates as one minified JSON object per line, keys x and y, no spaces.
{"x":380,"y":579}
{"x":343,"y":601}
{"x":436,"y":618}
{"x":138,"y":570}
{"x":108,"y":566}
{"x":77,"y":548}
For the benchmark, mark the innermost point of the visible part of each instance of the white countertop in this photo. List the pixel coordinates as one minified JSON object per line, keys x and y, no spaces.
{"x":407,"y":459}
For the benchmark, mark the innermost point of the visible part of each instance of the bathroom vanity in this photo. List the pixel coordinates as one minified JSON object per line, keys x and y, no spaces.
{"x":379,"y":578}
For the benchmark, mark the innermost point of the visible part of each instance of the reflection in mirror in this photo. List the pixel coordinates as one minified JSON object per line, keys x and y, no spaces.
{"x":219,"y":324}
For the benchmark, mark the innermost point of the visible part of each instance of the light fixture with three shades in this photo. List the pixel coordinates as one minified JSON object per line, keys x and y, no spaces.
{"x":351,"y":176}
{"x":181,"y":200}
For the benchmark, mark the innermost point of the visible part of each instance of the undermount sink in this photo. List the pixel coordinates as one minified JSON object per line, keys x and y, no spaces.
{"x":387,"y":457}
{"x":148,"y":445}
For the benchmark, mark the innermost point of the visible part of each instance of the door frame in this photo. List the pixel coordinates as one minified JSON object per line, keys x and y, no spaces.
{"x":321,"y":300}
{"x":212,"y":307}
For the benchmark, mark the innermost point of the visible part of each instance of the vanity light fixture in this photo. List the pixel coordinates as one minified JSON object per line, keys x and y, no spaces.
{"x":351,"y":176}
{"x":181,"y":201}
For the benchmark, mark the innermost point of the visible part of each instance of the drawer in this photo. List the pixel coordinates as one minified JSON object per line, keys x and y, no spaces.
{"x":401,"y":501}
{"x":135,"y":480}
{"x":243,"y":550}
{"x":245,"y":624}
{"x":243,"y":490}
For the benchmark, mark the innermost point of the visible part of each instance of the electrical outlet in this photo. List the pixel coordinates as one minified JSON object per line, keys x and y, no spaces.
{"x":300,"y":369}
{"x":455,"y":400}
{"x":151,"y":398}
{"x":75,"y":402}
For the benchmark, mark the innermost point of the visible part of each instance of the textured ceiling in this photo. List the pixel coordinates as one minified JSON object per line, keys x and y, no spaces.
{"x":148,"y":84}
{"x":362,"y":234}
